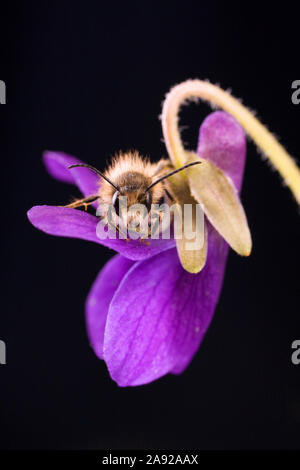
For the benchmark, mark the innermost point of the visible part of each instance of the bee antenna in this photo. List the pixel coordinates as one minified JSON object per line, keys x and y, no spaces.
{"x":95,"y":171}
{"x":171,"y":174}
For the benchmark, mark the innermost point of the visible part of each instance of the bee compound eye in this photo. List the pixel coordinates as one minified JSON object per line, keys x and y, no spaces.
{"x":115,"y":202}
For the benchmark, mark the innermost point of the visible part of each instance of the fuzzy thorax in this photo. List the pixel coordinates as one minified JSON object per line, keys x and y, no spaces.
{"x":132,"y":174}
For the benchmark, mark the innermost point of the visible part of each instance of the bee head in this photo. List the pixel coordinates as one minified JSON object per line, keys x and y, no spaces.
{"x":134,"y":187}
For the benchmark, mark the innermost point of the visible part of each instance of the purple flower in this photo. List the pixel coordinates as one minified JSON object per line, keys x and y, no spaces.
{"x":146,"y":316}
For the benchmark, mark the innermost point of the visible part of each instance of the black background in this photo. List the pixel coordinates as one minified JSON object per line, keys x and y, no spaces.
{"x":88,"y":78}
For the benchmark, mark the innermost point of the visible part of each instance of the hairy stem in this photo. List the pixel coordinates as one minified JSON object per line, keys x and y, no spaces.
{"x":266,"y":141}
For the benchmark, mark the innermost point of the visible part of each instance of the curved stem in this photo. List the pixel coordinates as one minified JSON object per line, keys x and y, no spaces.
{"x":270,"y":146}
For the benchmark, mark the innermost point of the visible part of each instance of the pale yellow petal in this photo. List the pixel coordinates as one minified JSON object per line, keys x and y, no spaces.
{"x":191,"y":240}
{"x":192,"y":261}
{"x":220,"y":203}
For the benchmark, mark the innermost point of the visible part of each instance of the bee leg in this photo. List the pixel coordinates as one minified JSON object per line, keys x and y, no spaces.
{"x":85,"y":202}
{"x":144,"y":241}
{"x":119,"y":230}
{"x":143,"y":238}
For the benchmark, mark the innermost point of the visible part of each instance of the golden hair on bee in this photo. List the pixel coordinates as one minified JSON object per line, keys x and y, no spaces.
{"x":132,"y":174}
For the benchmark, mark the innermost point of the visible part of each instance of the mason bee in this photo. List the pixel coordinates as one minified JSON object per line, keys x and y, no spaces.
{"x":136,"y":178}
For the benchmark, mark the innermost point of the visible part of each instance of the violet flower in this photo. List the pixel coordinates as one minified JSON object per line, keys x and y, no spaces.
{"x":146,"y":315}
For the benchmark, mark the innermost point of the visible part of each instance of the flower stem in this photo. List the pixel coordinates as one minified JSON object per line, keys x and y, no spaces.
{"x":266,"y":141}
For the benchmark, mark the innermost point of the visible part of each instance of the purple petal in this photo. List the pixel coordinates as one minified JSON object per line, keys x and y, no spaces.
{"x":209,"y":283}
{"x":66,"y":222}
{"x":223,"y":141}
{"x":159,"y":315}
{"x":99,"y":298}
{"x":57,"y":164}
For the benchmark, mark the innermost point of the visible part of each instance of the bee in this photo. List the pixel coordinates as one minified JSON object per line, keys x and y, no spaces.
{"x":136,"y":178}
